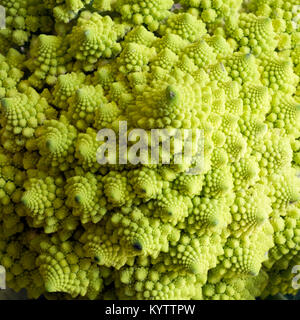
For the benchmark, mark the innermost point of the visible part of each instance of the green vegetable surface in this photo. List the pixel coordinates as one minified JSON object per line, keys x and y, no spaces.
{"x":72,"y":228}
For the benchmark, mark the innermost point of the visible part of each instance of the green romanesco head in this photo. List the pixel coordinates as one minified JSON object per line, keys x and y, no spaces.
{"x":84,"y":215}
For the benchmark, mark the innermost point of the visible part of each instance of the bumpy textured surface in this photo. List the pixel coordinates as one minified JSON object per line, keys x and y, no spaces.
{"x":72,"y":228}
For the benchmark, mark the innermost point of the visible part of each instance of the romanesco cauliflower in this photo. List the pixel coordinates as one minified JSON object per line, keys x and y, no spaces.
{"x":72,"y":227}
